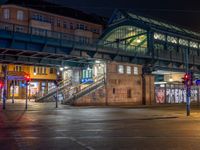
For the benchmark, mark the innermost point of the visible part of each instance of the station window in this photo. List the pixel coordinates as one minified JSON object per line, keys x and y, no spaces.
{"x":193,"y":44}
{"x":172,"y":39}
{"x":87,"y":73}
{"x":158,"y":36}
{"x":120,"y":69}
{"x":135,"y":70}
{"x":20,"y":15}
{"x":128,"y":69}
{"x":183,"y":42}
{"x":6,"y":14}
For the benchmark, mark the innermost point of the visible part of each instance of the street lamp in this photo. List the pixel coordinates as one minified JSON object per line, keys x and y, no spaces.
{"x":61,"y":68}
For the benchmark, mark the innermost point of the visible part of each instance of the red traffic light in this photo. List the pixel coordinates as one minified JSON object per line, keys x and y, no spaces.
{"x":27,"y":78}
{"x":1,"y":84}
{"x":186,"y":77}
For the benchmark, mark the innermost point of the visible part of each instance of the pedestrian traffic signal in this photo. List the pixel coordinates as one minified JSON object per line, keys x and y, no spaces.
{"x":1,"y":84}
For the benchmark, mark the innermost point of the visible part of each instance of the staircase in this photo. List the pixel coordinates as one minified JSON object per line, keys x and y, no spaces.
{"x":83,"y":89}
{"x":49,"y":96}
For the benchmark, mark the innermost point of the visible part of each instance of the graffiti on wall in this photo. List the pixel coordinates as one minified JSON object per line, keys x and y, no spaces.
{"x":174,"y":95}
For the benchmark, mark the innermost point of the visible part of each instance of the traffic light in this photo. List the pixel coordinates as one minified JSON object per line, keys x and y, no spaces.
{"x":1,"y":84}
{"x":27,"y":78}
{"x":186,"y":79}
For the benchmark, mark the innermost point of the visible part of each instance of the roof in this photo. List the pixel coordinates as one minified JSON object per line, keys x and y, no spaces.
{"x":43,"y":5}
{"x":155,"y":23}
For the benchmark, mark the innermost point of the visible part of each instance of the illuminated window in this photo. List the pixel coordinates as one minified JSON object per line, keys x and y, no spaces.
{"x":40,"y":70}
{"x":128,"y":69}
{"x":6,"y":13}
{"x":158,"y":36}
{"x":18,"y":68}
{"x":172,"y":39}
{"x":183,"y":42}
{"x":135,"y":71}
{"x":120,"y":69}
{"x":193,"y":44}
{"x":20,"y":15}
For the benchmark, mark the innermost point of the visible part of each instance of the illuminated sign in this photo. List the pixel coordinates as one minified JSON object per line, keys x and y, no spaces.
{"x":87,"y":80}
{"x":197,"y":82}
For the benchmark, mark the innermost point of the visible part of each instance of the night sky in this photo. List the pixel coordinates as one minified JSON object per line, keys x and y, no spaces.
{"x":181,"y":12}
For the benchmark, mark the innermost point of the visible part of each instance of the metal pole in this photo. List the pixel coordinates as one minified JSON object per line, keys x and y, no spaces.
{"x":26,"y":106}
{"x":0,"y":93}
{"x":187,"y":86}
{"x":57,"y":97}
{"x":29,"y":92}
{"x":5,"y":86}
{"x":13,"y":91}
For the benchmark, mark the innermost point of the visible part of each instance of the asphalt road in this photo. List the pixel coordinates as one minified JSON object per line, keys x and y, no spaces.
{"x":43,"y":127}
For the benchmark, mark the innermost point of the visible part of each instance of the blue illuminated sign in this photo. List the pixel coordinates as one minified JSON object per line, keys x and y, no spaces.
{"x":87,"y":80}
{"x":23,"y":85}
{"x":197,"y":82}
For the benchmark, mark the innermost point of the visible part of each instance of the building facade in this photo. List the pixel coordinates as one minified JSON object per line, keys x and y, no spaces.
{"x":47,"y":16}
{"x":34,"y":15}
{"x":42,"y":79}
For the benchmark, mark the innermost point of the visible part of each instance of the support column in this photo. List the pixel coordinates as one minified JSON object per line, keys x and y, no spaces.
{"x":13,"y":91}
{"x":5,"y":72}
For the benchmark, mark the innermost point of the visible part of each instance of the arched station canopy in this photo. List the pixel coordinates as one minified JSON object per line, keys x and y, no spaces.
{"x":131,"y":32}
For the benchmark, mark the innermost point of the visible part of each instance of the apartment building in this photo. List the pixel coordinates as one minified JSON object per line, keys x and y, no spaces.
{"x":42,"y":16}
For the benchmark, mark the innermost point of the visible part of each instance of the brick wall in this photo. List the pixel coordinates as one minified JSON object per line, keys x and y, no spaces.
{"x":122,"y":89}
{"x":97,"y":97}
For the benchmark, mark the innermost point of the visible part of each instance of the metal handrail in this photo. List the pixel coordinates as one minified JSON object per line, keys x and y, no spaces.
{"x":61,"y":85}
{"x":74,"y":90}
